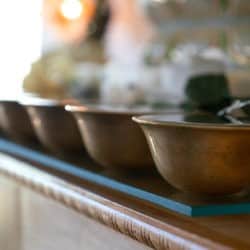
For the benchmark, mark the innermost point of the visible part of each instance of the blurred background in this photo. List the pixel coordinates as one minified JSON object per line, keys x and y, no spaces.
{"x":129,"y":52}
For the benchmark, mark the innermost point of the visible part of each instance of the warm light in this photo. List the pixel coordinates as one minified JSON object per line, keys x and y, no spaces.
{"x":69,"y":19}
{"x":71,"y":9}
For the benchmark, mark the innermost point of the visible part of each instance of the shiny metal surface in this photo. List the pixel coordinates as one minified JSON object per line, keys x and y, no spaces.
{"x":55,"y":128}
{"x":15,"y":122}
{"x":112,"y":139}
{"x":200,"y":158}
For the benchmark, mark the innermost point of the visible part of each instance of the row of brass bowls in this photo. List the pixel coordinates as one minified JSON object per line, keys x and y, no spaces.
{"x":205,"y":156}
{"x":110,"y":136}
{"x":29,"y":120}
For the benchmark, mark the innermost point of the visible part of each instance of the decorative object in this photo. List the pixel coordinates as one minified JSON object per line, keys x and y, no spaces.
{"x":199,"y":153}
{"x":55,"y":128}
{"x":51,"y":75}
{"x":15,"y":122}
{"x":111,"y":138}
{"x":62,"y":74}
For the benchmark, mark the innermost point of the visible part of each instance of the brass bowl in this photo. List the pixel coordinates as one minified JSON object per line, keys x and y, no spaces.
{"x":111,"y":137}
{"x":199,"y":153}
{"x":15,"y":122}
{"x":55,"y":128}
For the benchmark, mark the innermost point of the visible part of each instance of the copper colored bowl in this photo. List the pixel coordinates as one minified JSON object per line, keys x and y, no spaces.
{"x":15,"y":122}
{"x":55,"y":128}
{"x":111,"y":137}
{"x":199,"y":157}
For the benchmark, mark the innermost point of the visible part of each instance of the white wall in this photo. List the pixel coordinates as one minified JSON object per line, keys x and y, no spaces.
{"x":20,"y":42}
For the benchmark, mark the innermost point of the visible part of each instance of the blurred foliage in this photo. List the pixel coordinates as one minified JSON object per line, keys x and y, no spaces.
{"x":62,"y":74}
{"x":50,"y":75}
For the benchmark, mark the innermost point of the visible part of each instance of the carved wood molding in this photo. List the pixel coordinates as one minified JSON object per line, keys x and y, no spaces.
{"x":127,"y":221}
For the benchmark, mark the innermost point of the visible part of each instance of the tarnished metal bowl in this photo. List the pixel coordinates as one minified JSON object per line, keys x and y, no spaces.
{"x":111,"y":137}
{"x":55,"y":128}
{"x":15,"y":122}
{"x":199,"y":153}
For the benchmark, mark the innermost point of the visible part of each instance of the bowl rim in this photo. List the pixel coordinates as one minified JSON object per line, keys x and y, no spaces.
{"x":112,"y":109}
{"x":151,"y":120}
{"x":44,"y":102}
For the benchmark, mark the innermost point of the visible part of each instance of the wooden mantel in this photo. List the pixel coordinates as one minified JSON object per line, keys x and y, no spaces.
{"x":45,"y":210}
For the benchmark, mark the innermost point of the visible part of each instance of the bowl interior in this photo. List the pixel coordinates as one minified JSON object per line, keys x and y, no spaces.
{"x":117,"y":109}
{"x":193,"y":119}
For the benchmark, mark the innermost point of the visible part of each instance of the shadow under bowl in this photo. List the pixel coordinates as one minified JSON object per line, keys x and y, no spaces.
{"x":199,"y":153}
{"x":112,"y":139}
{"x":15,"y":122}
{"x":55,"y":128}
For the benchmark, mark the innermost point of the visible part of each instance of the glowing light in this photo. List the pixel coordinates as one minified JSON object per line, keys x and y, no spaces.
{"x":71,"y":9}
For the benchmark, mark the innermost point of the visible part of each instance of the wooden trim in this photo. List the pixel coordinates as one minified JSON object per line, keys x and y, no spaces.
{"x":145,"y":229}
